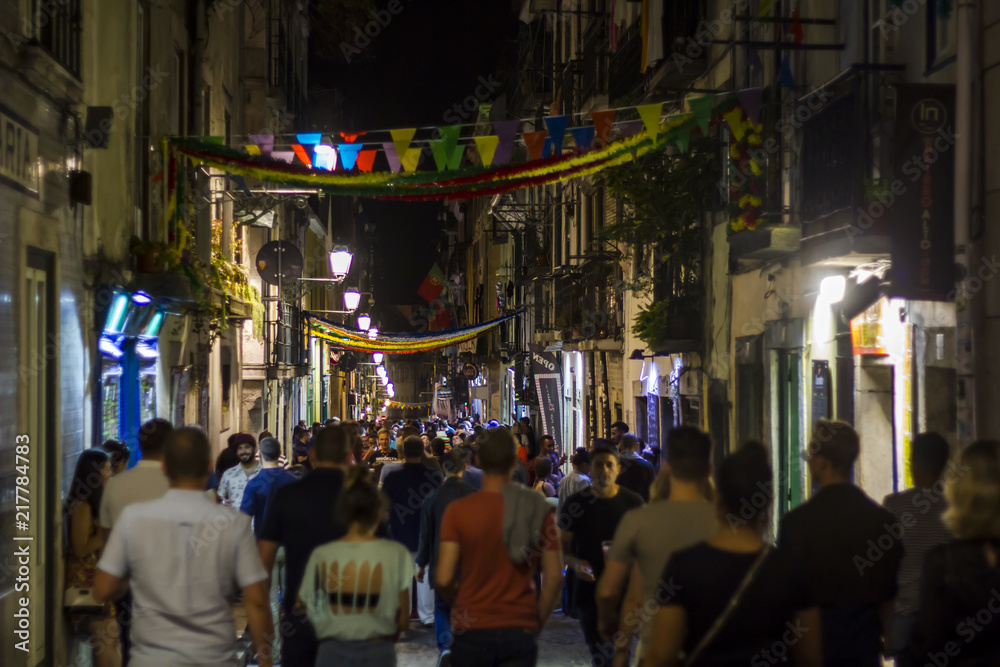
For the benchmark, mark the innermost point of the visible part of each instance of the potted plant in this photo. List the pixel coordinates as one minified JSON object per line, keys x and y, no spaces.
{"x":147,"y":255}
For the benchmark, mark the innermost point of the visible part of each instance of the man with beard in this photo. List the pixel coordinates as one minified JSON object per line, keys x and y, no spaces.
{"x":234,"y":481}
{"x":590,"y":518}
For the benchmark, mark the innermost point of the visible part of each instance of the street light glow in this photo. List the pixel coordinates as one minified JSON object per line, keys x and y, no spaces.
{"x":377,"y":357}
{"x":373,"y":333}
{"x":364,"y":321}
{"x":352,"y":299}
{"x":340,"y":262}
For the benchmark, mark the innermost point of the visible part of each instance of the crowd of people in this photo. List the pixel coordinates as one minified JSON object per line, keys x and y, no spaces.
{"x":483,"y":531}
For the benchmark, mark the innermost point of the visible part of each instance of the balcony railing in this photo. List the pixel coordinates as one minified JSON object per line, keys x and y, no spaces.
{"x":831,"y":163}
{"x":625,"y":75}
{"x":57,"y":28}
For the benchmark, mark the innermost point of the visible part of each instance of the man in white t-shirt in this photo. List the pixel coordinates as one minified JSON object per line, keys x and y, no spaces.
{"x":234,"y":481}
{"x":145,"y":481}
{"x":184,"y":557}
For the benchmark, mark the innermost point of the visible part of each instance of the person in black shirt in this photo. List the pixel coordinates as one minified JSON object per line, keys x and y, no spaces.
{"x":382,"y":455}
{"x":431,"y":514}
{"x":637,"y":473}
{"x":773,"y":617}
{"x":589,"y":518}
{"x":850,"y":547}
{"x":301,"y":516}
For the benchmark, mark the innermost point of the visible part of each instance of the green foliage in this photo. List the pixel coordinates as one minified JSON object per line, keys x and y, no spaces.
{"x":652,"y":323}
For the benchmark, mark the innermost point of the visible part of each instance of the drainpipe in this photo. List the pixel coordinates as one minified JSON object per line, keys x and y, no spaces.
{"x":966,"y":353}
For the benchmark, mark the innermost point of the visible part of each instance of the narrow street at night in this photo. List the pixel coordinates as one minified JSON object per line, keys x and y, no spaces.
{"x":499,"y":333}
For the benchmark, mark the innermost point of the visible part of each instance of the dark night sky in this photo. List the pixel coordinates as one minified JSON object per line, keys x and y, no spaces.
{"x":427,"y":59}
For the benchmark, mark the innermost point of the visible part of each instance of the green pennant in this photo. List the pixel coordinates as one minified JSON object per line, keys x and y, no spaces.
{"x":683,"y":138}
{"x":438,"y":151}
{"x":701,"y":107}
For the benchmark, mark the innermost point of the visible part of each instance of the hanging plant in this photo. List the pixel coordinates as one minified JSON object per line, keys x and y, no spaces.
{"x":746,"y":179}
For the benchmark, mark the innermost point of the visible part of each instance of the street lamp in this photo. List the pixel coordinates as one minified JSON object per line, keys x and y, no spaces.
{"x":340,"y":261}
{"x":364,"y":321}
{"x":377,"y":357}
{"x":352,"y":299}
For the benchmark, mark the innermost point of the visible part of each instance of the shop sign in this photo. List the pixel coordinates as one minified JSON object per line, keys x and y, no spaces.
{"x":868,"y":330}
{"x":18,"y":153}
{"x":921,"y":197}
{"x":470,"y":371}
{"x":548,"y":384}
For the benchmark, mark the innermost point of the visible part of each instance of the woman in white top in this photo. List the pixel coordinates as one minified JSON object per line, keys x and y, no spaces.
{"x":356,"y":590}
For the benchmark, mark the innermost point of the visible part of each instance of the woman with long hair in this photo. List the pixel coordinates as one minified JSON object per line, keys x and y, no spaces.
{"x":84,"y":544}
{"x":356,"y":590}
{"x":732,"y":598}
{"x":543,"y":477}
{"x":959,"y":604}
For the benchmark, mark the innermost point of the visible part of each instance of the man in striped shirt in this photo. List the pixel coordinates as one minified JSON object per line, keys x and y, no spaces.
{"x":919,"y":513}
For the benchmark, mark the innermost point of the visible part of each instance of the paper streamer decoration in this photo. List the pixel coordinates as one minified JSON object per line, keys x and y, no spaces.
{"x":366,"y":160}
{"x":535,"y":143}
{"x":750,"y":100}
{"x":650,"y":115}
{"x":486,"y":146}
{"x":401,"y":139}
{"x":557,"y":131}
{"x":735,"y":119}
{"x":506,"y":132}
{"x":583,"y":137}
{"x":390,"y":153}
{"x":349,"y":154}
{"x":353,"y":339}
{"x":701,"y":107}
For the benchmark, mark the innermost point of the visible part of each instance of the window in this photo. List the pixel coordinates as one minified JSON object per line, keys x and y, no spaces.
{"x":941,"y":33}
{"x":56,"y":26}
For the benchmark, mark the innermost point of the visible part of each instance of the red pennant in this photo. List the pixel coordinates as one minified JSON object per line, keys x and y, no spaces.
{"x":351,"y":137}
{"x":603,"y":122}
{"x":300,"y":151}
{"x":366,"y":160}
{"x":535,"y":142}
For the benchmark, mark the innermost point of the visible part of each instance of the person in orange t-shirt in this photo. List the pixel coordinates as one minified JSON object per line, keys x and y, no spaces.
{"x":497,"y":612}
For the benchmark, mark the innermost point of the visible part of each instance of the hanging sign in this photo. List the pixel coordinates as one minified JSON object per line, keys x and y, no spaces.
{"x":548,"y":383}
{"x":921,"y":200}
{"x":470,"y":371}
{"x":18,"y":153}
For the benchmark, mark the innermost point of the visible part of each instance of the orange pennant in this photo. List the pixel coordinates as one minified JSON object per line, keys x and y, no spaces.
{"x":535,"y":142}
{"x":603,"y":122}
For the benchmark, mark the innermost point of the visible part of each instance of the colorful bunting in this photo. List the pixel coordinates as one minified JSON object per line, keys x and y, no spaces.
{"x":487,"y":147}
{"x":265,"y":142}
{"x":506,"y":132}
{"x":701,"y":107}
{"x":401,"y":139}
{"x":302,"y":154}
{"x":349,"y":154}
{"x":650,"y":115}
{"x":390,"y":153}
{"x":630,"y":128}
{"x":785,"y":77}
{"x":366,"y":160}
{"x":583,"y":137}
{"x":735,"y":119}
{"x":556,"y":126}
{"x":603,"y":122}
{"x":750,"y":100}
{"x":683,"y":139}
{"x":535,"y":143}
{"x":352,"y":339}
{"x":411,"y":159}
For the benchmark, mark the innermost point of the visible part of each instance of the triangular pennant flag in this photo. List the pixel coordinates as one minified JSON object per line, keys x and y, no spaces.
{"x":650,"y":115}
{"x":535,"y":143}
{"x":366,"y":160}
{"x":325,"y":157}
{"x":796,"y":30}
{"x":351,"y":137}
{"x":785,"y":77}
{"x":455,"y":158}
{"x":252,"y":149}
{"x":215,"y":140}
{"x":283,"y":156}
{"x":557,"y":131}
{"x":750,"y":100}
{"x":487,"y":147}
{"x":449,"y":135}
{"x":392,"y":156}
{"x":603,"y":122}
{"x":547,"y":147}
{"x":683,"y":138}
{"x":264,"y":141}
{"x":628,"y":128}
{"x":506,"y":134}
{"x":401,"y":139}
{"x":701,"y":107}
{"x":302,"y":154}
{"x":411,"y":159}
{"x":735,"y":119}
{"x":583,"y":137}
{"x":349,"y":154}
{"x":309,"y":138}
{"x":438,"y":152}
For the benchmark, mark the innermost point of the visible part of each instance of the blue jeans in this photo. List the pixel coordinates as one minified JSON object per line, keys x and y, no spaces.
{"x":504,"y":647}
{"x":442,"y":623}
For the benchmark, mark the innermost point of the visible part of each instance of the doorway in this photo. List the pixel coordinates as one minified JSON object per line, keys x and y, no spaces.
{"x":787,"y":381}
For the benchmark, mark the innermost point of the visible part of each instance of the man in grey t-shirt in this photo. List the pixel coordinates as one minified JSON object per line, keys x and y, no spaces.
{"x":648,"y":535}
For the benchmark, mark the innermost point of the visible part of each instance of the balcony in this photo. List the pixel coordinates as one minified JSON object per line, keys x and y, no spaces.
{"x":682,"y":23}
{"x":594,"y":77}
{"x":625,"y":77}
{"x":57,"y":30}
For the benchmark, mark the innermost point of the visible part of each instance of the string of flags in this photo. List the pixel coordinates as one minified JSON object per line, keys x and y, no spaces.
{"x":349,"y":338}
{"x":471,"y":166}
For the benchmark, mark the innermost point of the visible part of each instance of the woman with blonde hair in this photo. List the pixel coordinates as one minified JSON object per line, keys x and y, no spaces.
{"x":959,"y":599}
